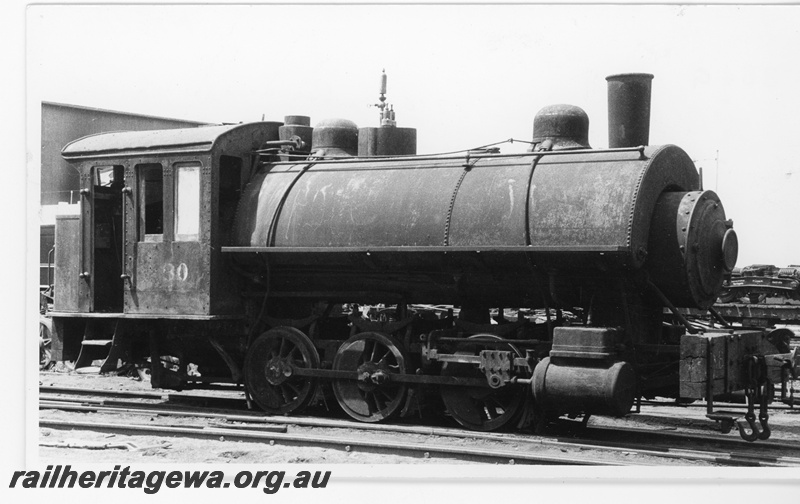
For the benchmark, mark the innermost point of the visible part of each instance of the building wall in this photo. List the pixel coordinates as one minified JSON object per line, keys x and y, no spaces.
{"x":63,"y":123}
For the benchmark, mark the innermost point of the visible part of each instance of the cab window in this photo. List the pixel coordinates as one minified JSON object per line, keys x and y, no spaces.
{"x":108,"y":176}
{"x":187,"y":201}
{"x":151,"y":202}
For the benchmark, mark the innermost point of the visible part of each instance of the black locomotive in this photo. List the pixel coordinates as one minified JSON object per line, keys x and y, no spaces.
{"x":302,"y":261}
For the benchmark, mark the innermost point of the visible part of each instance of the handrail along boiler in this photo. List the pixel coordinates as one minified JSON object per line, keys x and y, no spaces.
{"x":308,"y":261}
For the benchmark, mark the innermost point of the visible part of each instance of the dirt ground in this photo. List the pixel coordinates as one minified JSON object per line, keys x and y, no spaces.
{"x":86,"y":446}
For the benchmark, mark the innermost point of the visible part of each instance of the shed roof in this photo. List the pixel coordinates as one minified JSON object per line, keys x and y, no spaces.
{"x":199,"y":139}
{"x":131,"y":115}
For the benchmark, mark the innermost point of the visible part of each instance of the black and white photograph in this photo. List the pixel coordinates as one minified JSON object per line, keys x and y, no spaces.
{"x":403,"y":251}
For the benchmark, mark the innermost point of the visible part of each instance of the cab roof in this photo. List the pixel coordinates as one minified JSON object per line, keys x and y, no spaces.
{"x":124,"y":143}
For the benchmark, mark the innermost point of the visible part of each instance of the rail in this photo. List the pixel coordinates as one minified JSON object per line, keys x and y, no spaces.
{"x":645,"y":442}
{"x":348,"y":444}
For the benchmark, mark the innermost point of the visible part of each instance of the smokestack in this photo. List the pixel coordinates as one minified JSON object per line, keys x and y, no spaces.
{"x":629,"y":109}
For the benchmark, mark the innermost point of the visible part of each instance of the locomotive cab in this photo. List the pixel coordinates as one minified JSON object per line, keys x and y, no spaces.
{"x":156,"y":207}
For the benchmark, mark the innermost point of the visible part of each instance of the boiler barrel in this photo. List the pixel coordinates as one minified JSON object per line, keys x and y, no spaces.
{"x":581,"y":211}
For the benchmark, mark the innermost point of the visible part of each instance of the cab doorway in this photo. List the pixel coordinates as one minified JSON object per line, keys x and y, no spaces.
{"x":109,"y":249}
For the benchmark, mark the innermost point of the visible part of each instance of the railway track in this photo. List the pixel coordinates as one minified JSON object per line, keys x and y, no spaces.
{"x":427,"y":450}
{"x":232,"y":401}
{"x":611,"y":445}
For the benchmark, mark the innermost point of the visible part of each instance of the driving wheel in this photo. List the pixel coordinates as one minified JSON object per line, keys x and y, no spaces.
{"x":373,"y":396}
{"x":269,"y":370}
{"x":481,"y":408}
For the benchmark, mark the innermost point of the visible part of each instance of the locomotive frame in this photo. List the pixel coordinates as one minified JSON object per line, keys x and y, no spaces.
{"x":235,"y":250}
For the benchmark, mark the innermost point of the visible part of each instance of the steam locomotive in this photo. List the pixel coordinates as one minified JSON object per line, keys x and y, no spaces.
{"x":507,"y":289}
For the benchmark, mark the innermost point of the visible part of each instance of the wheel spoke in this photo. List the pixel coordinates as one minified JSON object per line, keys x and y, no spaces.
{"x":294,"y":389}
{"x":374,"y":349}
{"x":362,"y":356}
{"x":286,"y":397}
{"x":385,"y":394}
{"x":494,"y":399}
{"x":270,"y":397}
{"x":387,"y":354}
{"x":376,"y":403}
